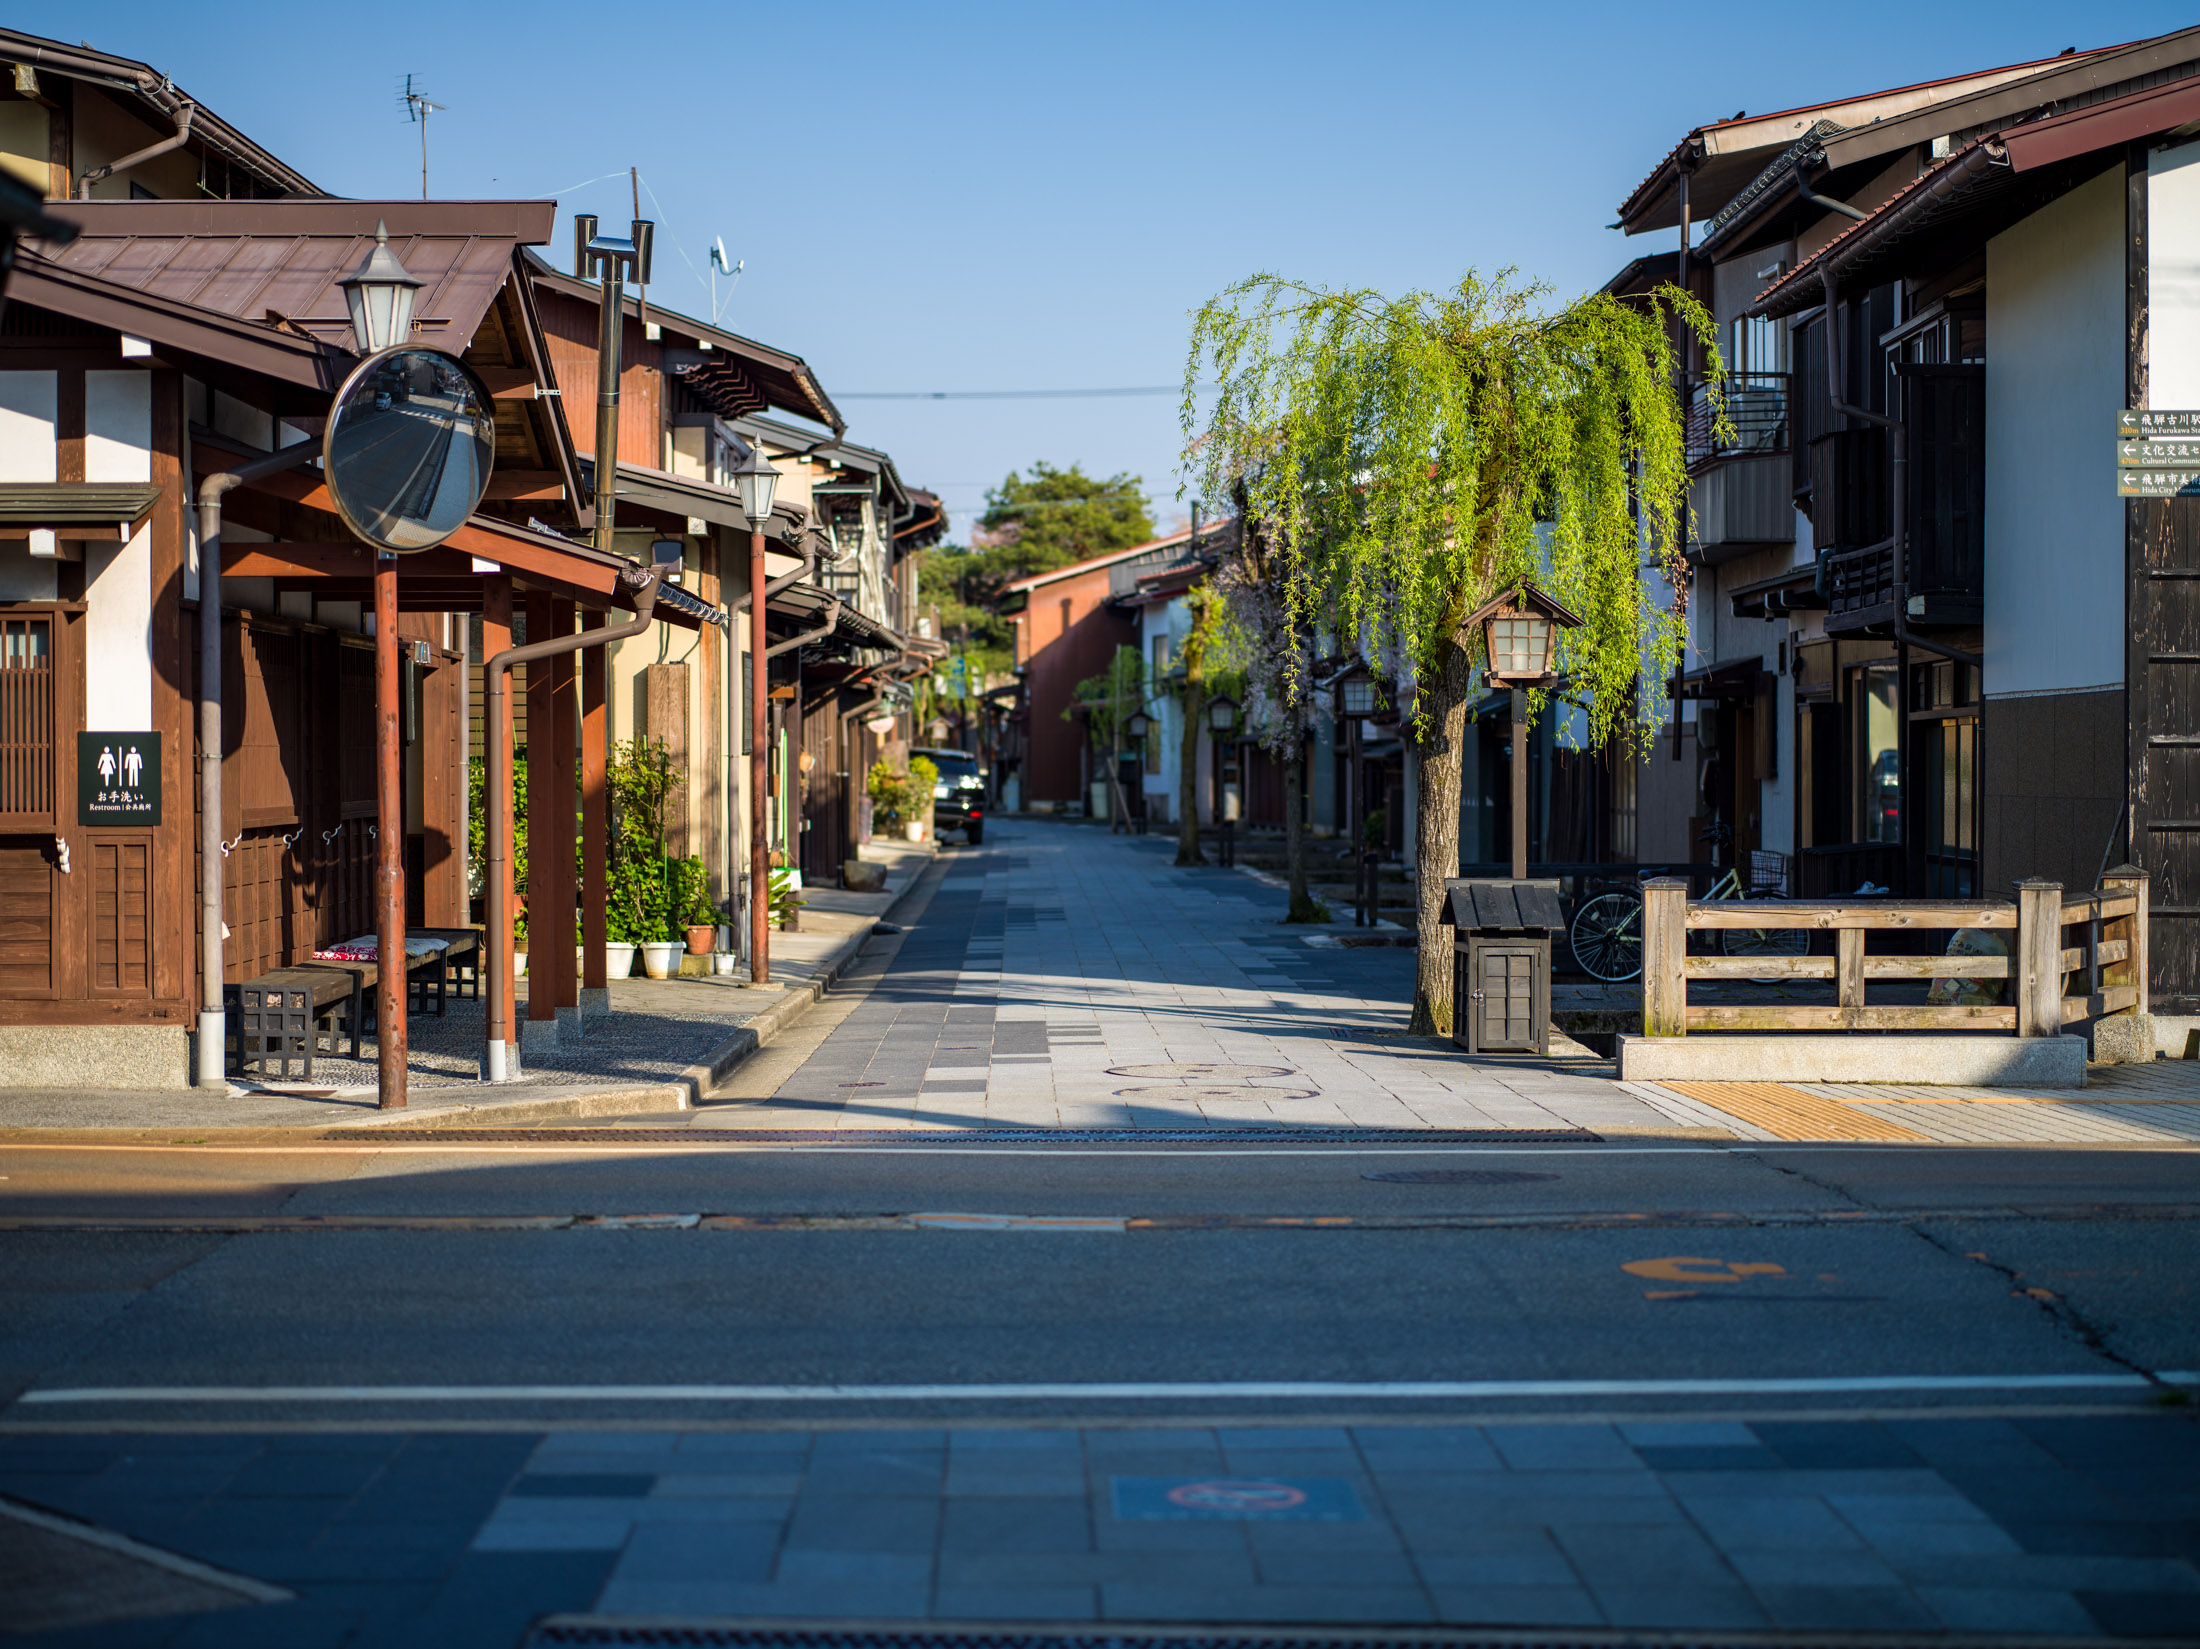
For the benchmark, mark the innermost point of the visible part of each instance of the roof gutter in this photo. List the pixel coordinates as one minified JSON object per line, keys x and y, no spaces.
{"x":153,"y":151}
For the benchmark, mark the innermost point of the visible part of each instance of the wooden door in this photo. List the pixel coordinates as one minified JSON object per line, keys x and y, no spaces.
{"x":2164,"y":740}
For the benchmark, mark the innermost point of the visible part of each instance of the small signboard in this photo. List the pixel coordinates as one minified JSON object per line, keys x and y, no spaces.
{"x":2158,"y":483}
{"x":2139,"y":452}
{"x":118,"y":779}
{"x":2145,"y":421}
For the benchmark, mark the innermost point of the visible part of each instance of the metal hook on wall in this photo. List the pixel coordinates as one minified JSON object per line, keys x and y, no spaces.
{"x":230,"y":847}
{"x":330,"y":835}
{"x":291,"y":840}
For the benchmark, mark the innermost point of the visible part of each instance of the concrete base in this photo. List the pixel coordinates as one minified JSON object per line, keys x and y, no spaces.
{"x":2124,"y":1039}
{"x":570,"y":1025}
{"x":2177,"y":1035}
{"x":595,"y":1003}
{"x":1968,"y":1060}
{"x":538,"y":1036}
{"x":96,"y":1056}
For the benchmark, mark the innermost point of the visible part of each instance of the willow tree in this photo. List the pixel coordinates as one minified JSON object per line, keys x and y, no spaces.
{"x":1411,"y":457}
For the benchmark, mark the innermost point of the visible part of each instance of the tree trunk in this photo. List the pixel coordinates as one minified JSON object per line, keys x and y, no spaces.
{"x":1436,"y":836}
{"x":1303,"y":908}
{"x":1187,"y":782}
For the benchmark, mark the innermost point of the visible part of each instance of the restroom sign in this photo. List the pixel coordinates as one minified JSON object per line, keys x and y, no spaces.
{"x":118,"y":779}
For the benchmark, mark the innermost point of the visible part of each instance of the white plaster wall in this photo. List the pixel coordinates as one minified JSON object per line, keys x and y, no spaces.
{"x":23,"y":576}
{"x":2173,"y":277}
{"x":27,"y":451}
{"x":118,"y":635}
{"x":2054,"y":382}
{"x":118,"y":426}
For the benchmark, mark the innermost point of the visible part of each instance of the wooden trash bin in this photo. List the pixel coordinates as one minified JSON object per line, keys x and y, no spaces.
{"x":1501,"y":964}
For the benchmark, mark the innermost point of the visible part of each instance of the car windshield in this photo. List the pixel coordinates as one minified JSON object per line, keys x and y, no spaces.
{"x":953,"y":764}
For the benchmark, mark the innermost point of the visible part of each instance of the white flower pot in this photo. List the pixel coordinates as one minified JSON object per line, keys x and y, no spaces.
{"x":660,"y":957}
{"x":519,"y":964}
{"x":723,"y":962}
{"x":915,"y":828}
{"x":618,"y":959}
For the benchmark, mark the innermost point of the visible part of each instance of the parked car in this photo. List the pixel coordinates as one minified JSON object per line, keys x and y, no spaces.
{"x":958,"y":799}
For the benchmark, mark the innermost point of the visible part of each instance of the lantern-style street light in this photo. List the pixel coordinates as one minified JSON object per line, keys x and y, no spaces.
{"x":1137,"y":725}
{"x":380,"y":293}
{"x":1360,"y":694}
{"x":756,"y":478}
{"x":1516,"y":639}
{"x":1222,"y":712}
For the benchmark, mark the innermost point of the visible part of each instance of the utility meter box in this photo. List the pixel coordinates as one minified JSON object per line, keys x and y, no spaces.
{"x":1501,"y":964}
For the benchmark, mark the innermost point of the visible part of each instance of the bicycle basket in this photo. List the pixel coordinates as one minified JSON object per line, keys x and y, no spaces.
{"x":1767,"y":875}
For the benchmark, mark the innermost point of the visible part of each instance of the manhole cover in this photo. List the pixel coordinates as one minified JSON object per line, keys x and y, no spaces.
{"x":1213,"y":1090}
{"x":1458,"y":1176}
{"x":860,"y":1084}
{"x":1199,"y":1071}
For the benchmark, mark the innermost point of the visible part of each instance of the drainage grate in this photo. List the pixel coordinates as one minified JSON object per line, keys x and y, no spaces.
{"x":974,"y":1136}
{"x":583,"y":1632}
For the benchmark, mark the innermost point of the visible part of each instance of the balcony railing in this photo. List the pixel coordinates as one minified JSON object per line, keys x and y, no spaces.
{"x":1757,"y":410}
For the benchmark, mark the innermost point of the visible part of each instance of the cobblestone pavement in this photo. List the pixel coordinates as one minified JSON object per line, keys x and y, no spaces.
{"x":2070,"y":1526}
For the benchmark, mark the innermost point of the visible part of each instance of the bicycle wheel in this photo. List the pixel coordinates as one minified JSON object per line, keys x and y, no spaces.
{"x":1765,"y":941}
{"x":1607,"y":937}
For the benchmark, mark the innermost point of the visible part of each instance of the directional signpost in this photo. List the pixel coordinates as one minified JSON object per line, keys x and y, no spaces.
{"x":2157,"y":454}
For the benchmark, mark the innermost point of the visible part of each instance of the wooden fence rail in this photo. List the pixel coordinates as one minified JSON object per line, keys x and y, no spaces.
{"x":2110,"y":957}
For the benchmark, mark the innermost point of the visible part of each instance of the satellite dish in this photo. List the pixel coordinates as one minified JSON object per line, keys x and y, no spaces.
{"x":718,"y":257}
{"x":411,"y":440}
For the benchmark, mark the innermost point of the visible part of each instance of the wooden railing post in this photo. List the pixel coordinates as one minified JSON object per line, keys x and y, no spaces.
{"x":1664,"y":944}
{"x":1848,"y":970}
{"x":2133,"y":970}
{"x":2038,"y":973}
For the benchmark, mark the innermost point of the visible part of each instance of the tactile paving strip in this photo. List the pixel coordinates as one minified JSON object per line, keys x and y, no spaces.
{"x":973,"y":1136}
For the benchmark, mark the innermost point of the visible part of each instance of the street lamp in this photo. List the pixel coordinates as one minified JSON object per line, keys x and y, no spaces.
{"x":1137,"y":724}
{"x":380,"y":293}
{"x":1516,"y":639}
{"x":1361,"y":698}
{"x":1222,"y":712}
{"x":755,"y":478}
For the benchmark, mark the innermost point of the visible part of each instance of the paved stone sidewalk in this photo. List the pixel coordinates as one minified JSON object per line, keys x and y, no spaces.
{"x":2074,"y":1525}
{"x":1066,"y":978}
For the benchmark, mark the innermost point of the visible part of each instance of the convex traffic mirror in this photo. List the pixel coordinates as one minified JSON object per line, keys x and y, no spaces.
{"x":411,"y":440}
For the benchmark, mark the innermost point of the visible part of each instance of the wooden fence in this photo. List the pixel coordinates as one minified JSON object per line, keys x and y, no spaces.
{"x":2109,"y":959}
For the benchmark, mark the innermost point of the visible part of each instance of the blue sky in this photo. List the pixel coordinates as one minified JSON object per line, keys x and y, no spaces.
{"x":984,"y":197}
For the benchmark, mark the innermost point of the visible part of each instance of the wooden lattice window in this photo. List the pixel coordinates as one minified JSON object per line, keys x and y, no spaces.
{"x":27,"y":681}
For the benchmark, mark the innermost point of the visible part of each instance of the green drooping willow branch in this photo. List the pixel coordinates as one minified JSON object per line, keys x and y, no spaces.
{"x":1408,"y":458}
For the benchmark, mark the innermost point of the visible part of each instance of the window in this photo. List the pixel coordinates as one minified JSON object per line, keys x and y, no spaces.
{"x":1874,"y":703}
{"x":1944,"y":733}
{"x":26,"y":722}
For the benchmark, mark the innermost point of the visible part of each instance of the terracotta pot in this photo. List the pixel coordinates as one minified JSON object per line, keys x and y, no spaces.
{"x":701,"y":938}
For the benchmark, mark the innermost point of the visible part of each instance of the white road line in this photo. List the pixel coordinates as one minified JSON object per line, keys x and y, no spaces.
{"x":1122,"y":1391}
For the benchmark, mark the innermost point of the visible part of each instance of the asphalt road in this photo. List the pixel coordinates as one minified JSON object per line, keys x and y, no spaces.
{"x":1644,"y":1263}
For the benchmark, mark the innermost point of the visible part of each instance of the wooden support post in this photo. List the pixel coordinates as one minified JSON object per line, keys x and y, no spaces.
{"x":2038,"y":959}
{"x":1664,"y":945}
{"x":595,"y":808}
{"x":1848,"y":969}
{"x":2133,"y":928}
{"x":547,"y":923}
{"x":389,"y":841}
{"x":496,"y":637}
{"x":562,"y":781}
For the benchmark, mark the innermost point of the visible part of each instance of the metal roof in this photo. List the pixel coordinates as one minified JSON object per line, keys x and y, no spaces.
{"x":275,"y":263}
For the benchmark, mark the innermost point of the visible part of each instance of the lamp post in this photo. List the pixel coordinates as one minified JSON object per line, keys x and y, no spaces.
{"x":380,"y":294}
{"x":1222,"y":720}
{"x":756,"y":478}
{"x":1359,"y":696}
{"x":1516,"y":639}
{"x":1137,"y":725}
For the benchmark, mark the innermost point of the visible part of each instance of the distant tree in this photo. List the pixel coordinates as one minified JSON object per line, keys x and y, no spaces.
{"x":1052,"y":517}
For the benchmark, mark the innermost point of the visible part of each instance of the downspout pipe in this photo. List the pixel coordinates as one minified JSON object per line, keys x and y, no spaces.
{"x":154,"y":151}
{"x":1899,"y":489}
{"x":212,"y":1061}
{"x":498,"y":1061}
{"x":734,"y":609}
{"x":830,"y":623}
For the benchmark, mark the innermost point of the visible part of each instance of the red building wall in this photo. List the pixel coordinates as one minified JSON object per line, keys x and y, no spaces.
{"x":1059,"y":648}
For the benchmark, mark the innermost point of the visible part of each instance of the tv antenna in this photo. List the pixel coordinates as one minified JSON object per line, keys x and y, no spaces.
{"x":418,"y":108}
{"x":719,"y":266}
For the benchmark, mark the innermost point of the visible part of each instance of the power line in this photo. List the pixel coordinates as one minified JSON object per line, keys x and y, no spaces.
{"x":1004,"y":394}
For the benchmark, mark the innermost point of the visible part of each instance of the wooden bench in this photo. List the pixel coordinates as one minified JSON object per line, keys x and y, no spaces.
{"x":282,"y":1015}
{"x":461,"y":959}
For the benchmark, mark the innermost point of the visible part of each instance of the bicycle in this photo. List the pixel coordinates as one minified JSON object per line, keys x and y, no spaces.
{"x":1606,"y":932}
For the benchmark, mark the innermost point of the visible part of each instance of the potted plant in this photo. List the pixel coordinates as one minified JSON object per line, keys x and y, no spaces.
{"x":519,"y":947}
{"x":786,"y":904}
{"x":698,"y":916}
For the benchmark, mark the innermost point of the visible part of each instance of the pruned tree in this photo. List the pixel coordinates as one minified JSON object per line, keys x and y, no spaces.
{"x":1263,"y":636}
{"x":1412,"y":456}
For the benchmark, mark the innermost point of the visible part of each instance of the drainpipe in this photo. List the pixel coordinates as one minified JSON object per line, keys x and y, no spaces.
{"x":152,"y":152}
{"x":824,"y":629}
{"x":734,"y":609}
{"x":212,"y":1064}
{"x":498,"y":1062}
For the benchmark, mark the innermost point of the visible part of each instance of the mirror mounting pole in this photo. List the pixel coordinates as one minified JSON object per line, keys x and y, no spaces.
{"x":211,"y":1067}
